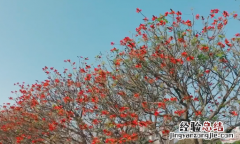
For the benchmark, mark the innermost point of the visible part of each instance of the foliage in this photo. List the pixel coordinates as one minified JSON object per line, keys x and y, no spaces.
{"x":236,"y":142}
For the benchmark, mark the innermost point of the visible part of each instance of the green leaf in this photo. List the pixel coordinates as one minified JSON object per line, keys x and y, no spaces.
{"x":161,"y":85}
{"x":159,"y":19}
{"x":202,"y":57}
{"x":202,"y":119}
{"x":221,"y":36}
{"x":222,"y":105}
{"x":238,"y":101}
{"x":165,"y":20}
{"x":194,"y":40}
{"x":215,"y":68}
{"x":215,"y":118}
{"x":220,"y":55}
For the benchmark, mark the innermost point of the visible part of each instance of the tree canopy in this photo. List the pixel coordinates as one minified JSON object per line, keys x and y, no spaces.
{"x":169,"y":72}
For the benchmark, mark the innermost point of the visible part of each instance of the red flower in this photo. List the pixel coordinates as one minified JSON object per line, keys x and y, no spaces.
{"x":138,"y":65}
{"x":66,"y":99}
{"x":152,"y":26}
{"x":170,"y":28}
{"x":196,"y":99}
{"x":138,"y":10}
{"x":142,"y":123}
{"x":173,"y":99}
{"x":82,"y":71}
{"x":46,"y":84}
{"x":180,"y":61}
{"x":205,"y":48}
{"x":121,"y":109}
{"x":225,"y":14}
{"x":57,"y":81}
{"x":136,"y":95}
{"x":233,"y":113}
{"x":161,"y":104}
{"x":88,"y":67}
{"x":156,"y":113}
{"x":190,"y":58}
{"x":207,"y":71}
{"x":154,"y":18}
{"x":112,"y":43}
{"x":114,"y":49}
{"x":198,"y":113}
{"x":179,"y":13}
{"x":237,"y":35}
{"x":212,"y":15}
{"x":172,"y":12}
{"x":88,"y":77}
{"x":165,"y":131}
{"x":105,"y":112}
{"x":184,"y":54}
{"x":215,"y":11}
{"x":197,"y":16}
{"x":145,"y":19}
{"x":179,"y":112}
{"x":226,"y":41}
{"x":51,"y":127}
{"x":235,"y":16}
{"x":221,"y":44}
{"x":188,"y":23}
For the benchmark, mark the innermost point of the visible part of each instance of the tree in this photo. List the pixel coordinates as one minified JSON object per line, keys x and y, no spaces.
{"x":173,"y":73}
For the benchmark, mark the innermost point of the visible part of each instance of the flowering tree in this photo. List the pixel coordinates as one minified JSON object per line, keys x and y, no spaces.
{"x":176,"y":73}
{"x":32,"y":122}
{"x":168,"y":73}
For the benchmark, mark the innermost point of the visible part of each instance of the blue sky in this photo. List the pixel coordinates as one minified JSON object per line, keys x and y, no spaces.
{"x":34,"y":34}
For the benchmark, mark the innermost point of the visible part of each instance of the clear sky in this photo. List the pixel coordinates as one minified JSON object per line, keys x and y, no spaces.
{"x":38,"y":33}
